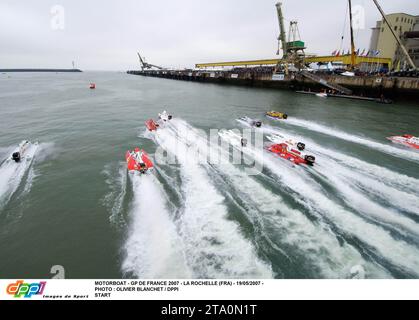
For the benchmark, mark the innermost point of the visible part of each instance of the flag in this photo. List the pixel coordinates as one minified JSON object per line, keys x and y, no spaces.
{"x":338,"y":53}
{"x":377,"y":53}
{"x":334,"y":53}
{"x":363,"y":52}
{"x":349,"y":52}
{"x":357,"y":52}
{"x":368,"y":53}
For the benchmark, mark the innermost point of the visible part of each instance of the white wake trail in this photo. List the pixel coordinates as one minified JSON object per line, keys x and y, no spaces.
{"x":315,"y":242}
{"x":397,"y":190}
{"x":381,"y":174}
{"x":214,"y":244}
{"x":12,"y":173}
{"x":393,"y":151}
{"x":115,"y":198}
{"x":153,"y":248}
{"x":393,"y":197}
{"x":361,"y":203}
{"x":311,"y":195}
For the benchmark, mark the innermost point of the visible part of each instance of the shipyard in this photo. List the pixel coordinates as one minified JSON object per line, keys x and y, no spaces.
{"x":359,"y":74}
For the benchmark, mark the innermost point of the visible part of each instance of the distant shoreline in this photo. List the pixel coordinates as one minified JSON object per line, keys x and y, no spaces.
{"x":39,"y":70}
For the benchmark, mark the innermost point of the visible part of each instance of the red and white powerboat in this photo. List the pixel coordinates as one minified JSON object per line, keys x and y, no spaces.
{"x":407,"y":140}
{"x":138,"y":160}
{"x":295,"y":156}
{"x":290,"y":150}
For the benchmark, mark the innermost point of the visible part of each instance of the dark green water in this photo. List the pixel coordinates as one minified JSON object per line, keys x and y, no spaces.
{"x":75,"y":206}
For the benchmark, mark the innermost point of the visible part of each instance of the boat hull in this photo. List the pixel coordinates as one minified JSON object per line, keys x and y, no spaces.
{"x":141,"y":166}
{"x":404,"y":141}
{"x":151,"y":125}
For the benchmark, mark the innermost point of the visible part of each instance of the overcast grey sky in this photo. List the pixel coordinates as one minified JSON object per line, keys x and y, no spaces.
{"x":105,"y":35}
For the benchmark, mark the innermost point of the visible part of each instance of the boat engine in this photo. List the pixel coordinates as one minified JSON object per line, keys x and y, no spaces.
{"x":301,"y":146}
{"x":16,"y":156}
{"x":310,"y":160}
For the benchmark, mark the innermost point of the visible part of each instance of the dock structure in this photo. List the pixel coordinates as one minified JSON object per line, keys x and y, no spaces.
{"x":374,"y":86}
{"x":366,"y":77}
{"x":324,"y":82}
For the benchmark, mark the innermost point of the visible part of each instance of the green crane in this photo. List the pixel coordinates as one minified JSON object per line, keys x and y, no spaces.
{"x":293,"y":47}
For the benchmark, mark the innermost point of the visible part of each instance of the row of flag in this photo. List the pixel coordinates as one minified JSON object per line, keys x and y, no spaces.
{"x":363,"y":53}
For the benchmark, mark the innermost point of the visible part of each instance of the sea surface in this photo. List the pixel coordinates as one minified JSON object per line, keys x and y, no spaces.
{"x":71,"y":202}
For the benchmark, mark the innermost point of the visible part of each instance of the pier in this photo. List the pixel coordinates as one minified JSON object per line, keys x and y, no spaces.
{"x":361,"y":86}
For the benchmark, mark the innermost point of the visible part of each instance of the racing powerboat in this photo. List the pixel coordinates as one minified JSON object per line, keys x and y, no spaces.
{"x":252,"y":122}
{"x":407,"y":140}
{"x":275,"y":138}
{"x":284,"y":151}
{"x":290,"y":150}
{"x":233,"y":138}
{"x":151,"y":125}
{"x":19,"y":154}
{"x":164,"y":116}
{"x":275,"y":115}
{"x":138,"y":160}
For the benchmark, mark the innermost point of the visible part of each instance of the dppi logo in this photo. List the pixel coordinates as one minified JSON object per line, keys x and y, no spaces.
{"x":27,"y":290}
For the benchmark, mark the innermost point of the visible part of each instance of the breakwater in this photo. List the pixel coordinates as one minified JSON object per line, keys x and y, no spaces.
{"x":39,"y":70}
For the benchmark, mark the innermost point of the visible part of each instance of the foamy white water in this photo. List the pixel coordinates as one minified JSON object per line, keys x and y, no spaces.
{"x":12,"y":173}
{"x":388,"y":149}
{"x":316,"y":242}
{"x":115,"y":198}
{"x":215,"y":245}
{"x":397,"y":190}
{"x":153,"y":248}
{"x":310,"y":194}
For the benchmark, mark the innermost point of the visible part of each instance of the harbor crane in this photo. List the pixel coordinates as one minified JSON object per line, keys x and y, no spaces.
{"x":145,"y":65}
{"x":293,"y":48}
